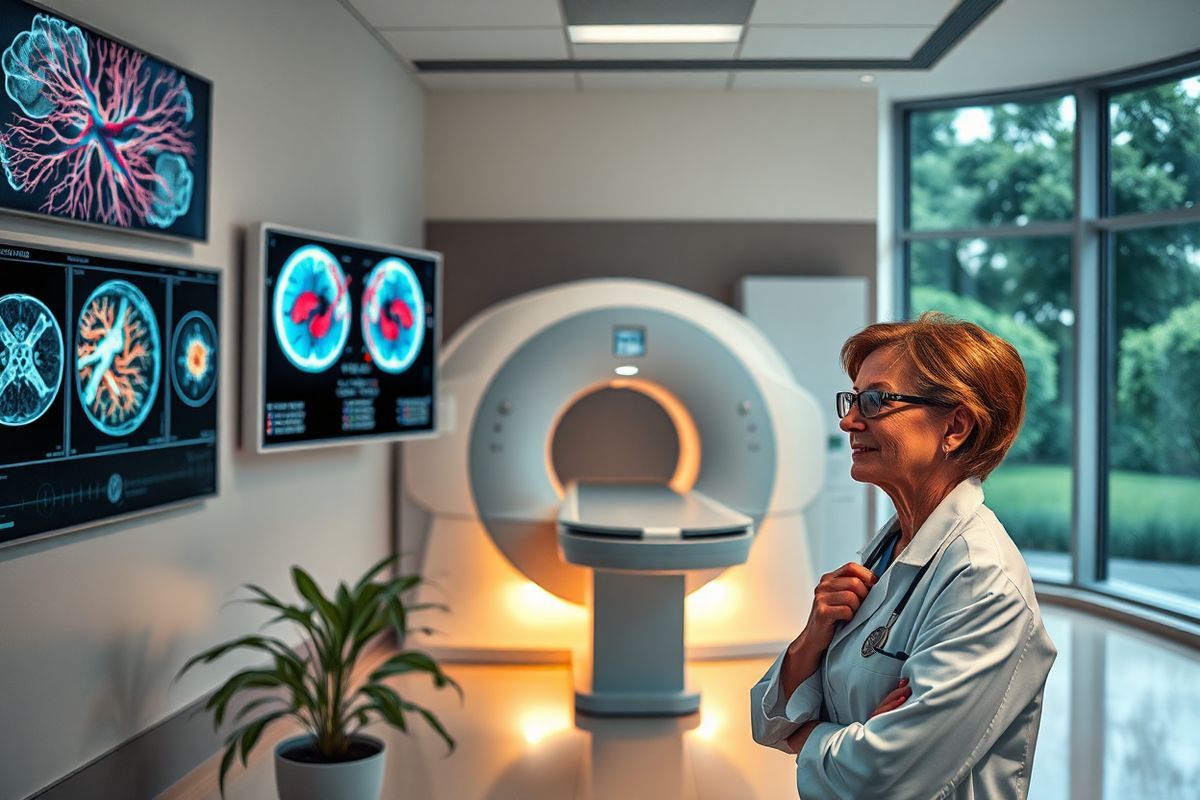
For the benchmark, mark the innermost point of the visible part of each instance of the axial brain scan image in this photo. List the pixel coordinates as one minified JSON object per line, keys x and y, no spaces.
{"x":31,"y":359}
{"x":393,"y":315}
{"x":312,"y":309}
{"x":117,"y":357}
{"x":193,"y":363}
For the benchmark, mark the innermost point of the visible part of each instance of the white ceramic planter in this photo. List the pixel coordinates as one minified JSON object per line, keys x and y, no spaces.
{"x":350,"y":780}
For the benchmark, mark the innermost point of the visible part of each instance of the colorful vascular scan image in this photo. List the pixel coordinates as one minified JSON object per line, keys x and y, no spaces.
{"x":312,"y":309}
{"x":95,"y":130}
{"x":393,"y":315}
{"x":194,"y":359}
{"x":118,"y":357}
{"x":31,"y":359}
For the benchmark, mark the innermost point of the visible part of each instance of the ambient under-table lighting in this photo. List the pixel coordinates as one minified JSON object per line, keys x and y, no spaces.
{"x":654,"y":34}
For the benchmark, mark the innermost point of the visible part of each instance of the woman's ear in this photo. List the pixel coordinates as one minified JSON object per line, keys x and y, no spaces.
{"x":959,"y":426}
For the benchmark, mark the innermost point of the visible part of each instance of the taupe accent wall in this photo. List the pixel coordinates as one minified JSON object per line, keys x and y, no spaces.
{"x":487,"y":262}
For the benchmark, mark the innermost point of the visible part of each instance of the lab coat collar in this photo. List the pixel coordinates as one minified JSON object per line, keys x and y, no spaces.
{"x":962,"y":501}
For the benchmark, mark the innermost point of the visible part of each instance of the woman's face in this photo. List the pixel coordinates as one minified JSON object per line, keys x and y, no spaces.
{"x":900,"y":449}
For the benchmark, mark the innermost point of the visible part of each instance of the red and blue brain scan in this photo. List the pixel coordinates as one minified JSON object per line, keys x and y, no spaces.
{"x":393,"y":315}
{"x":311,"y":309}
{"x":99,"y":132}
{"x":194,"y":359}
{"x":117,"y":356}
{"x":31,"y":359}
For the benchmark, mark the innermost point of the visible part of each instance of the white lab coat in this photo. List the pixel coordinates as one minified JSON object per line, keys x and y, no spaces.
{"x":978,"y":660}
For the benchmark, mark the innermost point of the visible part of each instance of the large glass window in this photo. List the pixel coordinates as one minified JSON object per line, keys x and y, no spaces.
{"x":988,"y":227}
{"x":980,"y":175}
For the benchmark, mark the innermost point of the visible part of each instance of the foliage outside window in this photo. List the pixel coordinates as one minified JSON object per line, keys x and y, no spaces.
{"x":975,"y":172}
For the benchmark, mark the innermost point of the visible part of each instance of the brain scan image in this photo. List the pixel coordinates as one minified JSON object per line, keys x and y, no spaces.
{"x":100,"y":133}
{"x":194,"y":359}
{"x":31,"y":359}
{"x":117,"y":357}
{"x":312,"y":309}
{"x":393,"y":315}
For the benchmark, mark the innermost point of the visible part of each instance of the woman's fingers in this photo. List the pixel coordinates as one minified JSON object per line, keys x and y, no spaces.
{"x":855,"y":585}
{"x":894,"y":699}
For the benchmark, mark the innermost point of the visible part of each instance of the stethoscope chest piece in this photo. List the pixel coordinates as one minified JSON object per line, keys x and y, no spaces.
{"x":875,"y":639}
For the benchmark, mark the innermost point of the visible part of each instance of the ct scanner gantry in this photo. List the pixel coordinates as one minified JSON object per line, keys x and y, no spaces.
{"x":491,"y":516}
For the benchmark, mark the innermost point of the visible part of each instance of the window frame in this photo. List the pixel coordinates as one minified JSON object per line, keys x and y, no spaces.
{"x":1091,"y":228}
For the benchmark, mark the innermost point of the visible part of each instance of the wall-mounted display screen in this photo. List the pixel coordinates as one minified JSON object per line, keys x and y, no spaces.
{"x":98,"y":131}
{"x":347,"y":340}
{"x":108,"y":379}
{"x":629,"y":341}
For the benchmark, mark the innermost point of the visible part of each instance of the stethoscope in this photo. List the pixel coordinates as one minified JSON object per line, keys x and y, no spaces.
{"x":878,"y":638}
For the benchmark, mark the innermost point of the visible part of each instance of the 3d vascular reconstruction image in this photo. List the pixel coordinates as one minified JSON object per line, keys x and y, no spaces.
{"x":100,"y":132}
{"x":31,"y":359}
{"x":118,"y":357}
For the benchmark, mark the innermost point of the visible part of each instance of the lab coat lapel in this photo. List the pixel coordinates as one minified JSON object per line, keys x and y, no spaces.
{"x":962,"y":501}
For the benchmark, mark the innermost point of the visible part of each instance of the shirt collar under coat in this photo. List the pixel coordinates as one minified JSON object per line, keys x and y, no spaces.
{"x":962,"y":501}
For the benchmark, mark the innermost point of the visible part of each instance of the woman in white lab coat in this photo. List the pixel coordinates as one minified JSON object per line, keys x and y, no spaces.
{"x":920,"y":671}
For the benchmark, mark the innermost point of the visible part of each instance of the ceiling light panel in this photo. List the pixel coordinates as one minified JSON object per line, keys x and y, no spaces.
{"x":650,"y":52}
{"x":654,"y":34}
{"x":459,"y":13}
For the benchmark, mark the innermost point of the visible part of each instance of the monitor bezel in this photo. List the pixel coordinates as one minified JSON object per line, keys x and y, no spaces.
{"x":254,"y":376}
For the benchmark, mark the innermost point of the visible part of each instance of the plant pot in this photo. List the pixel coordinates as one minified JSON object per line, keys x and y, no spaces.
{"x":299,"y":779}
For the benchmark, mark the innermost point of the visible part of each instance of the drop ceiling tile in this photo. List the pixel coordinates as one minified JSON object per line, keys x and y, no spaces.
{"x":493,"y":43}
{"x":459,"y":13}
{"x":766,"y":80}
{"x":657,"y":80}
{"x":499,"y":81}
{"x":850,"y":12}
{"x":832,"y":42}
{"x":665,"y":52}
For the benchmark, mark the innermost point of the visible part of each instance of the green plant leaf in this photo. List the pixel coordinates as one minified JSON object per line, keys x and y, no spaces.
{"x":432,"y":720}
{"x":414,"y":661}
{"x":309,"y":590}
{"x":387,"y":703}
{"x":226,"y":763}
{"x":253,"y":732}
{"x":370,"y":574}
{"x":247,"y":679}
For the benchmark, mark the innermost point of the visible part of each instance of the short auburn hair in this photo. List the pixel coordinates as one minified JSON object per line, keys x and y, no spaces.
{"x":959,"y":363}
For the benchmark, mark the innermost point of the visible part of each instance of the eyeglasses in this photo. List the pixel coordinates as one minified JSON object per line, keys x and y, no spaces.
{"x":871,"y":402}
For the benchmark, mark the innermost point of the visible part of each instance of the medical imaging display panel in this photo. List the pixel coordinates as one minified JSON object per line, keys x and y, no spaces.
{"x":349,"y":340}
{"x":108,"y":377}
{"x":98,"y":131}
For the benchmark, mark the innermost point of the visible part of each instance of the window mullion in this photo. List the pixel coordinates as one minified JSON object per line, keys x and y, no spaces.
{"x":1087,"y":293}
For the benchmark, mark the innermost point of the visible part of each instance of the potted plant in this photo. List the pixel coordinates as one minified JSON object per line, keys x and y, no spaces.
{"x":316,"y":684}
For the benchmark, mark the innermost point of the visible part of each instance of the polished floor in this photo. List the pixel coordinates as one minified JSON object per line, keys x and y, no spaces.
{"x":1121,"y":722}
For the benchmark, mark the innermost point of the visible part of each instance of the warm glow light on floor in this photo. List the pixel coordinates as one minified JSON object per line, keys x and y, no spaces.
{"x":710,"y":725}
{"x":538,"y":607}
{"x":713,"y":600}
{"x":540,"y":723}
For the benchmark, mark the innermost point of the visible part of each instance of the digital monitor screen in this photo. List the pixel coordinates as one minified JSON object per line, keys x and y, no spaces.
{"x":97,"y":131}
{"x":629,"y":341}
{"x":108,"y":383}
{"x":347,"y":336}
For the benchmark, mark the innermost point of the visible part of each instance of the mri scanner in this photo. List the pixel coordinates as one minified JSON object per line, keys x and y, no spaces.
{"x":535,"y":571}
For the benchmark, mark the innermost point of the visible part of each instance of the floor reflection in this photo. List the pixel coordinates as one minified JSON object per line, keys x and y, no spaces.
{"x":1121,"y":720}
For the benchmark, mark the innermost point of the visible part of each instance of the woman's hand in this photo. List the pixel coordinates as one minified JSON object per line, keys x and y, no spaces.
{"x":894,"y":700}
{"x":836,"y":599}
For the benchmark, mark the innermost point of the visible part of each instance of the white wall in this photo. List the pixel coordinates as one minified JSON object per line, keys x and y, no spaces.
{"x":315,"y":125}
{"x":802,"y":155}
